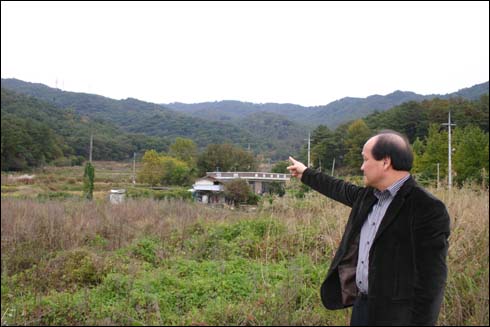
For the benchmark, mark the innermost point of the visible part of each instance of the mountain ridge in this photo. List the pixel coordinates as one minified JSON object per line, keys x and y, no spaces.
{"x":269,"y":126}
{"x":332,"y":114}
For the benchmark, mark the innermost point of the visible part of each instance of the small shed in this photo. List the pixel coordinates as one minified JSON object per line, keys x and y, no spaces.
{"x":117,"y":196}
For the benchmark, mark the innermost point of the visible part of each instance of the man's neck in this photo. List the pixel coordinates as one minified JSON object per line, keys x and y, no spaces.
{"x":392,"y":179}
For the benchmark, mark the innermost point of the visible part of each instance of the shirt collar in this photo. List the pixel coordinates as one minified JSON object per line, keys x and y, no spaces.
{"x":392,"y":189}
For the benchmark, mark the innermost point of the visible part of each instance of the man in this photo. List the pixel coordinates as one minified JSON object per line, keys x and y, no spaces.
{"x":391,"y":262}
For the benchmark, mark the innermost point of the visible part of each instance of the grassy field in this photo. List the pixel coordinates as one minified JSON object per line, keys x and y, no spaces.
{"x":67,"y":261}
{"x":61,"y":183}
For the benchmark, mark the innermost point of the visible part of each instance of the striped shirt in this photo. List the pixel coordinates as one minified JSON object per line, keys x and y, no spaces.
{"x":369,"y":229}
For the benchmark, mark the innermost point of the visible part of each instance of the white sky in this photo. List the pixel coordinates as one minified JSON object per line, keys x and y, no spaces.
{"x":294,"y":52}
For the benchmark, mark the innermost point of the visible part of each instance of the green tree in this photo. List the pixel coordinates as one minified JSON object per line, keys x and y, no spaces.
{"x":281,"y":167}
{"x":225,"y":157}
{"x":326,"y":146}
{"x":357,"y":134}
{"x":184,"y":150}
{"x":15,"y":144}
{"x":277,"y":188}
{"x":418,"y":148}
{"x":482,"y":107}
{"x":27,"y":143}
{"x":471,"y":154}
{"x":435,"y":151}
{"x":88,"y":181}
{"x":237,"y":191}
{"x":409,"y":118}
{"x":175,"y":172}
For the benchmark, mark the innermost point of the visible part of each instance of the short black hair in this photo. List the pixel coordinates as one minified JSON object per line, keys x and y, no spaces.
{"x":388,"y":146}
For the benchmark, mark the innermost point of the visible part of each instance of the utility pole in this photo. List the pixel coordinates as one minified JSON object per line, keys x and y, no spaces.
{"x":309,"y":147}
{"x":449,"y":151}
{"x":309,"y":141}
{"x":134,"y":168}
{"x":91,"y":146}
{"x":333,"y":165}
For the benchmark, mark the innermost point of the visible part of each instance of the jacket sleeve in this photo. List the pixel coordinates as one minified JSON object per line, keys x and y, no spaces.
{"x":334,"y":188}
{"x":431,"y":232}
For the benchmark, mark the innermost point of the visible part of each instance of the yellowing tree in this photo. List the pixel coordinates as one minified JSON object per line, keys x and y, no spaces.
{"x":152,"y":171}
{"x":163,"y":170}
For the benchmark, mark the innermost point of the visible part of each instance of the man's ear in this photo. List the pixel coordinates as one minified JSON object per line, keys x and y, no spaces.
{"x":386,"y":162}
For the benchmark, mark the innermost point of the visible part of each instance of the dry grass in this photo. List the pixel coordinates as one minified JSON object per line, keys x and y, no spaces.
{"x":64,"y":225}
{"x":33,"y":230}
{"x":466,"y":301}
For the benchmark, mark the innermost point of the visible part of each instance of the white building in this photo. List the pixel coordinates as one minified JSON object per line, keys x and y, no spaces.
{"x":210,"y":188}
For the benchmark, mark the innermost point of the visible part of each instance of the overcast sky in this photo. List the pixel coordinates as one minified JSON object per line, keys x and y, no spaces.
{"x":302,"y":53}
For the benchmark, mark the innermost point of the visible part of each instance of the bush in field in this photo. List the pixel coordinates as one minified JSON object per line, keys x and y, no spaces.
{"x":146,"y":250}
{"x":67,"y":271}
{"x":88,"y":181}
{"x":172,"y":194}
{"x":237,"y":191}
{"x":69,"y":161}
{"x":297,"y":189}
{"x":277,"y":188}
{"x":178,"y":193}
{"x":55,"y":195}
{"x":253,"y":198}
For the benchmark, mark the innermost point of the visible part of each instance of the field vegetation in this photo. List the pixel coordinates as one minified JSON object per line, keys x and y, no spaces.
{"x":165,"y":260}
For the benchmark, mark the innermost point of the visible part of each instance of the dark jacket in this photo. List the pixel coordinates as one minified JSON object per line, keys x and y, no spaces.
{"x":407,"y":261}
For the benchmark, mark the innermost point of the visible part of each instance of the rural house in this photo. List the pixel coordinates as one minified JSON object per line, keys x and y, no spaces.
{"x":210,"y":188}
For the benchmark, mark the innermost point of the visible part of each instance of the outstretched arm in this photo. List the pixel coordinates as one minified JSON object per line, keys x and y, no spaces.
{"x":336,"y":189}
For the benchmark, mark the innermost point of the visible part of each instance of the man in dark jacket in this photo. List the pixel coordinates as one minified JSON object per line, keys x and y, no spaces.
{"x":391,"y":262}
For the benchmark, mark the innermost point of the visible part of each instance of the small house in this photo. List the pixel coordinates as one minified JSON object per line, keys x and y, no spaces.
{"x":210,"y":188}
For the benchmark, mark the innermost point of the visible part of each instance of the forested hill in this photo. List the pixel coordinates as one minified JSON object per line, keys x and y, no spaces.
{"x":231,"y":110}
{"x":35,"y":132}
{"x":274,"y":130}
{"x":331,"y":115}
{"x":136,"y":116}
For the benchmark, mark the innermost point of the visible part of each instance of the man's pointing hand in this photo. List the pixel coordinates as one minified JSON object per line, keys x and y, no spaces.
{"x":297,"y":168}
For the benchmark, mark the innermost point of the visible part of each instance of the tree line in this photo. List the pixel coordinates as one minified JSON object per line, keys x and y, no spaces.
{"x":183,"y":162}
{"x":422,"y":122}
{"x":35,"y":133}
